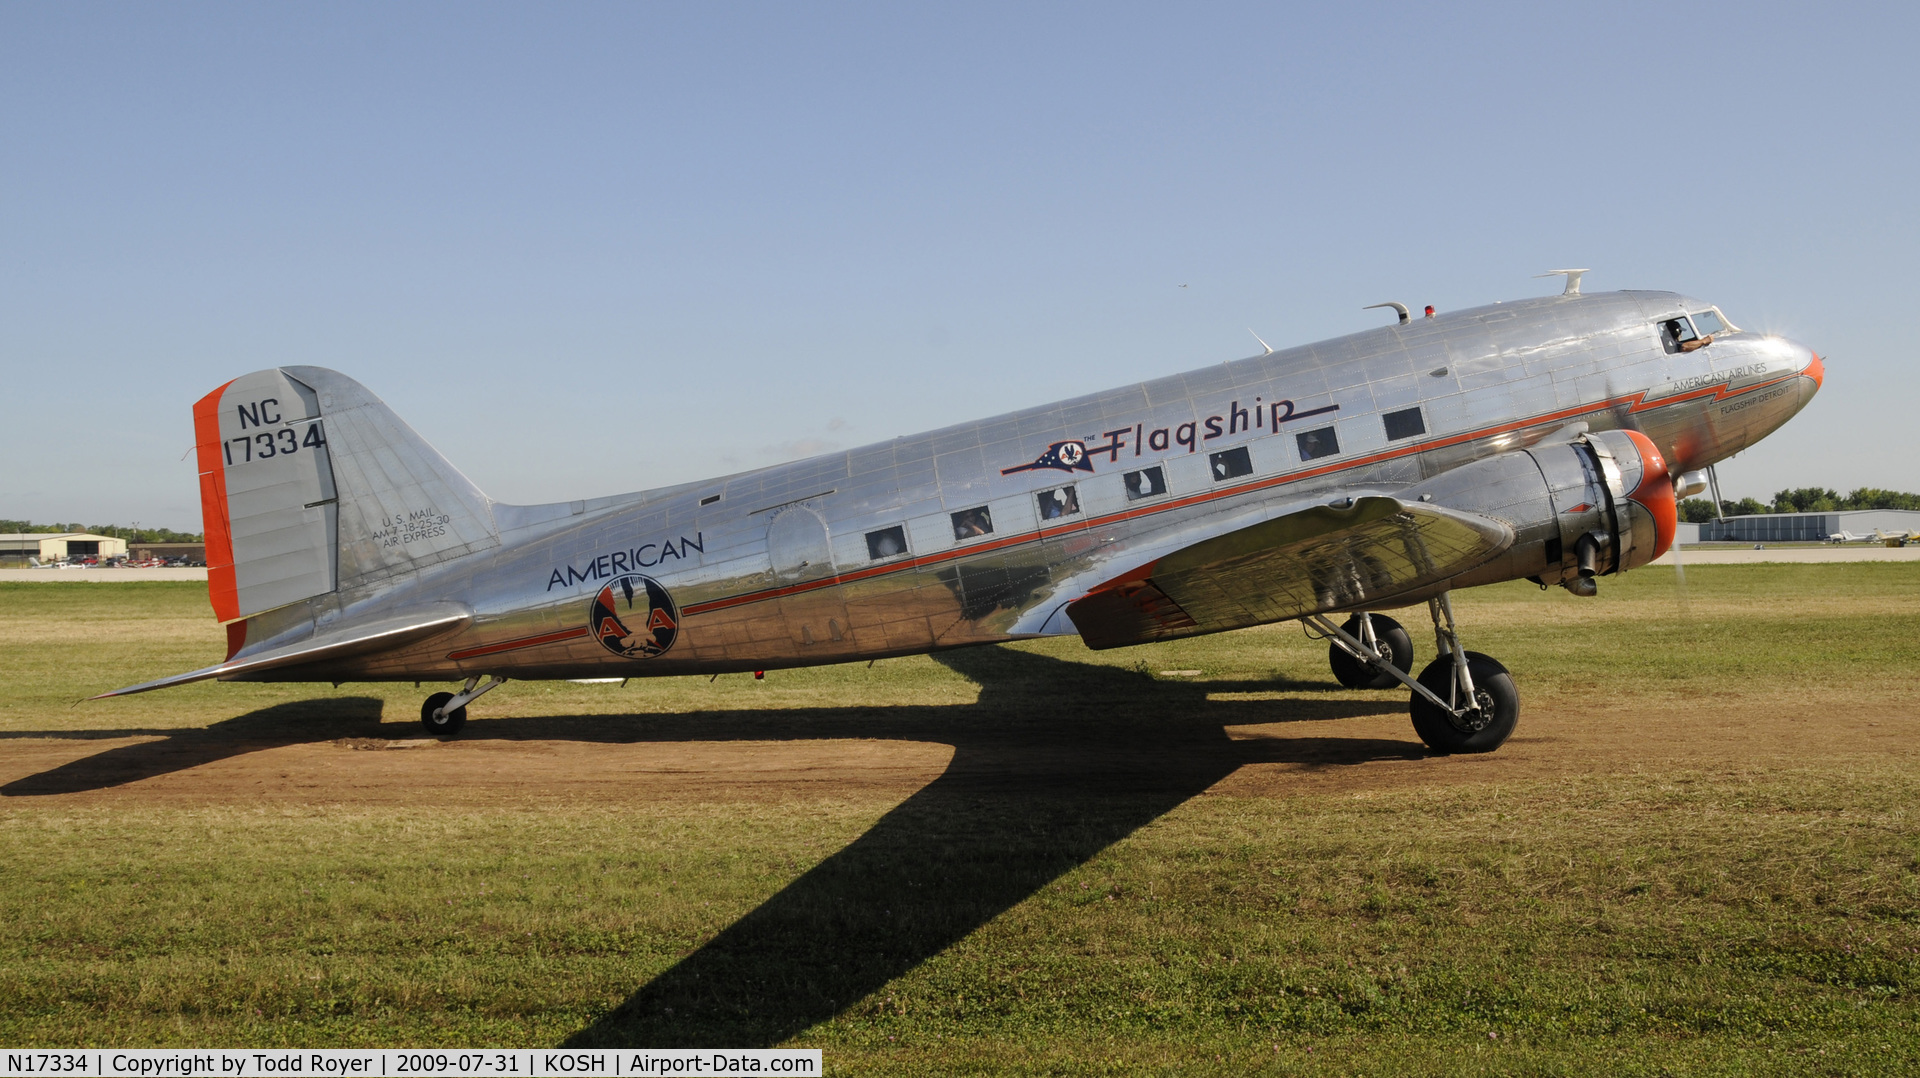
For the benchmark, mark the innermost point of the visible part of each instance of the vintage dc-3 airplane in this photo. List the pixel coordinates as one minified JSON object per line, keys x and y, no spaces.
{"x":1543,"y":440}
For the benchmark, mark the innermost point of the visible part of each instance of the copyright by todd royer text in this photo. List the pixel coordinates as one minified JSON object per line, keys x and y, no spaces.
{"x":355,"y":1063}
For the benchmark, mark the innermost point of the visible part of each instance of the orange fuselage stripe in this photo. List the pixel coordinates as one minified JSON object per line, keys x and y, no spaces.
{"x":523,"y":642}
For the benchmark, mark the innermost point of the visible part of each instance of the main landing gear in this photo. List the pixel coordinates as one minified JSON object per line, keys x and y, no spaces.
{"x":1379,"y":636}
{"x":1462,"y":702}
{"x":445,"y":713}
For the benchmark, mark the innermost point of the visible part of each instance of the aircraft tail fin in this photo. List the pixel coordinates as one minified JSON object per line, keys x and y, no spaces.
{"x":310,"y":484}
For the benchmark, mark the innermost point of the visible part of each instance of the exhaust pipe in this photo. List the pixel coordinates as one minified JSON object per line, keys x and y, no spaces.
{"x":1587,"y":553}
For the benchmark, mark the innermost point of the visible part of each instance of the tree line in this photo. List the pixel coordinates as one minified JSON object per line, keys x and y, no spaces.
{"x":1801,"y":500}
{"x":112,"y":531}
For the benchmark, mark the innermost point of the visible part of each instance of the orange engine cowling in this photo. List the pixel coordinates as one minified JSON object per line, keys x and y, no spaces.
{"x":1651,"y":497}
{"x":1601,"y":503}
{"x":1625,"y":515}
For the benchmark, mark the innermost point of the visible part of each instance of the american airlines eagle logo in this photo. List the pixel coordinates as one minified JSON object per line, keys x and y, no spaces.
{"x":1060,"y":456}
{"x":634,"y":616}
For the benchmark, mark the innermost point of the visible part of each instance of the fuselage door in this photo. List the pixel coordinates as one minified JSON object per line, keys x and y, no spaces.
{"x":801,"y":553}
{"x":797,"y":545}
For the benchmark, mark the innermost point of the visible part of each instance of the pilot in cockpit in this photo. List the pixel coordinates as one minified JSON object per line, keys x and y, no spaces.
{"x":1680,"y":336}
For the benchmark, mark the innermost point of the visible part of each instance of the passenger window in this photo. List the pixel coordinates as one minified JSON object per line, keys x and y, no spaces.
{"x":1709,"y":323}
{"x":1318,"y":443}
{"x":1229,"y":463}
{"x":1145,"y":483}
{"x":1404,"y":424}
{"x":969,"y":523}
{"x":887,"y":542}
{"x":1054,"y":504}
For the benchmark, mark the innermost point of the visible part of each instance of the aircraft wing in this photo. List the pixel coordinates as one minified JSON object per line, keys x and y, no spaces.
{"x":1309,"y":561}
{"x":356,"y":638}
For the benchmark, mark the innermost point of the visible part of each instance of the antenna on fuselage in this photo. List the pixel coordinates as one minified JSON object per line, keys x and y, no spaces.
{"x":1405,"y":315}
{"x":1256,"y":337}
{"x":1573,"y":279}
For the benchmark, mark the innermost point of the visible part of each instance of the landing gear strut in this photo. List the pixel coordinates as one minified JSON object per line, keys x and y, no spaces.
{"x":1462,"y":702}
{"x":445,"y":713}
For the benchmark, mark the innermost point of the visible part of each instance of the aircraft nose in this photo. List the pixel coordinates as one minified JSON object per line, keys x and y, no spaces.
{"x":1811,"y":368}
{"x":1816,"y":371}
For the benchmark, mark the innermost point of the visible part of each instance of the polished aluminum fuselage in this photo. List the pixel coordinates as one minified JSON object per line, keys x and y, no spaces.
{"x":773,"y":567}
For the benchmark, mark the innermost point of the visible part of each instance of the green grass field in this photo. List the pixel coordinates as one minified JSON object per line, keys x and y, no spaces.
{"x":1699,"y":855}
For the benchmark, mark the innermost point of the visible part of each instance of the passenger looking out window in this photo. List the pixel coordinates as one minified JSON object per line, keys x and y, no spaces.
{"x":1145,"y":483}
{"x":886,"y":542}
{"x":1318,"y":443}
{"x":968,"y":523}
{"x":1054,"y":504}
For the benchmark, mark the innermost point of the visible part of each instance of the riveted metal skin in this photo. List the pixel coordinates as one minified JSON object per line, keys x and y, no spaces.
{"x":1516,"y":452}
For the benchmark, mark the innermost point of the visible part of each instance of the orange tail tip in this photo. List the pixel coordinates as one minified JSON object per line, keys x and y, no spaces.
{"x":222,"y":591}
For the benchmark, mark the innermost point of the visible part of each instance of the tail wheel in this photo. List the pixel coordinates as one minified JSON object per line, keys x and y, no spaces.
{"x":1483,"y":729}
{"x":1395,"y":646}
{"x":444,"y":725}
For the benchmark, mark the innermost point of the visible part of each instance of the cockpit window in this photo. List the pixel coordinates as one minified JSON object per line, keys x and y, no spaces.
{"x":1709,"y":323}
{"x":1678,"y":335}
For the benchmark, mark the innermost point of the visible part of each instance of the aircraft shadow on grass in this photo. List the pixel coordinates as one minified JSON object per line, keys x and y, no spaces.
{"x":1053,"y":763}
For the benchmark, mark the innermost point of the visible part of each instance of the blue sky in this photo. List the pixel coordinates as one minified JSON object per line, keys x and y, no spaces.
{"x":586,"y":249}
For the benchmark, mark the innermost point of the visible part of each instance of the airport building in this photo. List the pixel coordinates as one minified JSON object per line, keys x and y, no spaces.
{"x":194,"y":553}
{"x":1807,"y":527}
{"x":57,"y":546}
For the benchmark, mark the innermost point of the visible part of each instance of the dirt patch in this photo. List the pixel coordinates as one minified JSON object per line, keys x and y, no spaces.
{"x":203,"y":769}
{"x":1567,"y":742}
{"x":381,"y":744}
{"x":505,"y":761}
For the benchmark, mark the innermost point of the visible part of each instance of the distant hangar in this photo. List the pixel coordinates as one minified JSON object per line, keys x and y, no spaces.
{"x":58,"y":546}
{"x":1806,"y":527}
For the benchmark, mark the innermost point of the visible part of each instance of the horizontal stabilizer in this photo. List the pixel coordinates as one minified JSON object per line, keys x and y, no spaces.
{"x":355,"y":639}
{"x":1316,"y":560}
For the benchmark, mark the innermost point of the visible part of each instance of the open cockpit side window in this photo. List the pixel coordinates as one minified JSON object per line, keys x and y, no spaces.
{"x":1678,"y":335}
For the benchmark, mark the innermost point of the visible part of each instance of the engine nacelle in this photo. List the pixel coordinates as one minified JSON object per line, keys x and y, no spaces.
{"x":1600,"y":504}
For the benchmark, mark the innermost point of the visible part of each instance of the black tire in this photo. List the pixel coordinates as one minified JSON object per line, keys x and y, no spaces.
{"x":446,"y":725}
{"x":1355,"y":674}
{"x":1472,"y":733}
